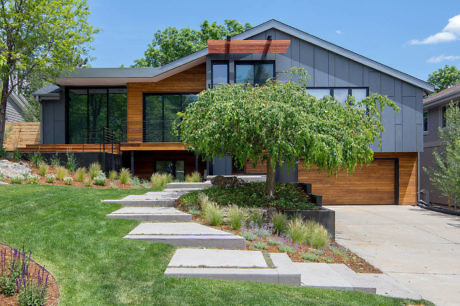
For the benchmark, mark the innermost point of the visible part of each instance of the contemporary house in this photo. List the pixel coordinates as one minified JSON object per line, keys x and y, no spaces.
{"x":138,"y":105}
{"x":15,"y":106}
{"x":434,"y":110}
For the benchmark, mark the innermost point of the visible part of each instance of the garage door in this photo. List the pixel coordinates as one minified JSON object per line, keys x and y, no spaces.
{"x":374,"y":184}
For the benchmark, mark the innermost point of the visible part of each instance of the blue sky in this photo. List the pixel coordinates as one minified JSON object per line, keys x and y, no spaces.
{"x":416,"y":37}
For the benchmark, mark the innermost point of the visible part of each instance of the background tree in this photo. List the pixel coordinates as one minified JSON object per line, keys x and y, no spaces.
{"x":444,"y":77}
{"x":446,"y":175}
{"x":280,"y":122}
{"x":40,"y":38}
{"x":171,"y":43}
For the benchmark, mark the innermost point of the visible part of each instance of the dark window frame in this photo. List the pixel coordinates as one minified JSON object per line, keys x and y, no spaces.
{"x":331,"y":89}
{"x":219,"y":62}
{"x":425,"y":121}
{"x":443,"y":116}
{"x":88,"y":88}
{"x":146,"y":94}
{"x":254,"y":63}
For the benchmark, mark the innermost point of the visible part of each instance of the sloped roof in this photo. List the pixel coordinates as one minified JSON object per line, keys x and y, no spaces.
{"x":443,"y":96}
{"x":156,"y":74}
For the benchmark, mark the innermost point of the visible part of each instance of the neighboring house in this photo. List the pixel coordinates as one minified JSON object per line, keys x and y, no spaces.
{"x":434,"y":110}
{"x":15,"y":106}
{"x":139,"y":105}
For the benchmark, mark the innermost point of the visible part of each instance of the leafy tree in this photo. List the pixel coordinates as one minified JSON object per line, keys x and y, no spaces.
{"x":40,"y":37}
{"x":444,"y":77}
{"x":446,"y":175}
{"x":171,"y":43}
{"x":280,"y":122}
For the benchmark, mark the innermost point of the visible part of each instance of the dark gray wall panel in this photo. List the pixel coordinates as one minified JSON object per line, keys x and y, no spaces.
{"x":328,"y":69}
{"x":321,"y":68}
{"x":222,"y":165}
{"x":409,"y":124}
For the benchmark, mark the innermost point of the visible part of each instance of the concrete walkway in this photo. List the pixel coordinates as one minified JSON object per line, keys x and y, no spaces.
{"x":417,"y":247}
{"x":161,"y":222}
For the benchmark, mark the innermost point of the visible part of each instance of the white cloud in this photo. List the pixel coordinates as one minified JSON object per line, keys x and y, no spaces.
{"x":450,"y":32}
{"x":338,"y":32}
{"x":442,"y":58}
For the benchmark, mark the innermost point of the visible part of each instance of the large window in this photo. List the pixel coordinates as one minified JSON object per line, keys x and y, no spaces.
{"x":160,"y":111}
{"x":255,"y":73}
{"x":340,"y":94}
{"x":91,"y":111}
{"x":174,"y":167}
{"x":219,"y":73}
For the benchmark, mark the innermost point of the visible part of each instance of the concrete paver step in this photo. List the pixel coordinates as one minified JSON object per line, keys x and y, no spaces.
{"x":185,"y":185}
{"x":188,"y":234}
{"x":214,"y":265}
{"x":143,"y":203}
{"x":156,"y":214}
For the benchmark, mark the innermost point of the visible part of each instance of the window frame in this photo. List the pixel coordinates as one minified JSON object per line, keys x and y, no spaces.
{"x":146,"y":94}
{"x":331,"y":89}
{"x":87,"y":89}
{"x":254,"y":63}
{"x":219,"y":62}
{"x":425,"y":122}
{"x":443,"y":116}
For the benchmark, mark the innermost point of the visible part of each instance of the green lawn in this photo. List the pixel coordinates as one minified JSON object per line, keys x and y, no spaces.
{"x":66,"y":230}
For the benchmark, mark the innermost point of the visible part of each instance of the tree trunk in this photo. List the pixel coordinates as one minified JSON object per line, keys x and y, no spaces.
{"x":270,"y":181}
{"x":3,"y":109}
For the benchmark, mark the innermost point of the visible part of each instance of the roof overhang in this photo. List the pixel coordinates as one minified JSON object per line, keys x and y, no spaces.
{"x":157,"y":74}
{"x":247,"y":46}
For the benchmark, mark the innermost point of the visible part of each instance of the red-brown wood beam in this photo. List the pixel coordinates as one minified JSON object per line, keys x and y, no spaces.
{"x":247,"y":46}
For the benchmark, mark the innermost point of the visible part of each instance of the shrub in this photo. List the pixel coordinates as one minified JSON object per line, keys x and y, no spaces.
{"x":2,"y":152}
{"x":113,"y":175}
{"x":17,"y":155}
{"x":113,"y":185}
{"x":309,"y":257}
{"x":33,"y":179}
{"x":263,"y":231}
{"x":249,"y":236}
{"x":125,"y":176}
{"x":317,"y":235}
{"x":32,"y":295}
{"x":18,"y":179}
{"x":161,"y":179}
{"x":94,"y":170}
{"x":55,"y":161}
{"x":204,"y":202}
{"x":279,"y":222}
{"x":135,"y":181}
{"x":194,"y":177}
{"x":236,"y":216}
{"x":88,"y":182}
{"x":71,"y":164}
{"x":256,"y":217}
{"x":261,"y":245}
{"x":49,"y":178}
{"x":286,"y":248}
{"x":36,"y":159}
{"x":68,"y":180}
{"x":43,"y":169}
{"x":80,"y":174}
{"x":100,"y":179}
{"x":273,"y":241}
{"x":61,"y":172}
{"x":214,"y":215}
{"x":297,"y":230}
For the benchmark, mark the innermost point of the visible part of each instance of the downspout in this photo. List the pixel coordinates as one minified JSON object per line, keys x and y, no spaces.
{"x":418,"y":178}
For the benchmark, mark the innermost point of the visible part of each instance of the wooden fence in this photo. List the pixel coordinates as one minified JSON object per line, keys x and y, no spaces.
{"x":21,"y":134}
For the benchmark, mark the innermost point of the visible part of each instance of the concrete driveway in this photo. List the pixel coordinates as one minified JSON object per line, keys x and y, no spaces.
{"x":417,"y":247}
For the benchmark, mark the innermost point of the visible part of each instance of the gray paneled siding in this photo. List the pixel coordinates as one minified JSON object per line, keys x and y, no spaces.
{"x":53,"y":120}
{"x":402,"y":131}
{"x":13,"y":112}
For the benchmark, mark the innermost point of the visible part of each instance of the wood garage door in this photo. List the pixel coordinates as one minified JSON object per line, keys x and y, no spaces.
{"x":374,"y":184}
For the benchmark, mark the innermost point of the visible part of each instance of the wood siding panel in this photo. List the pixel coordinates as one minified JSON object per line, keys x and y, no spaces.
{"x":373,"y":184}
{"x":368,"y":185}
{"x":187,"y":82}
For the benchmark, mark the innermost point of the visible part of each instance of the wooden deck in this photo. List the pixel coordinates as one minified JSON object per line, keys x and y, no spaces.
{"x":65,"y":148}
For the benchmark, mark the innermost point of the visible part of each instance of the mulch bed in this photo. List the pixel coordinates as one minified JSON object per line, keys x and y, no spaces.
{"x":52,"y":292}
{"x":341,"y":255}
